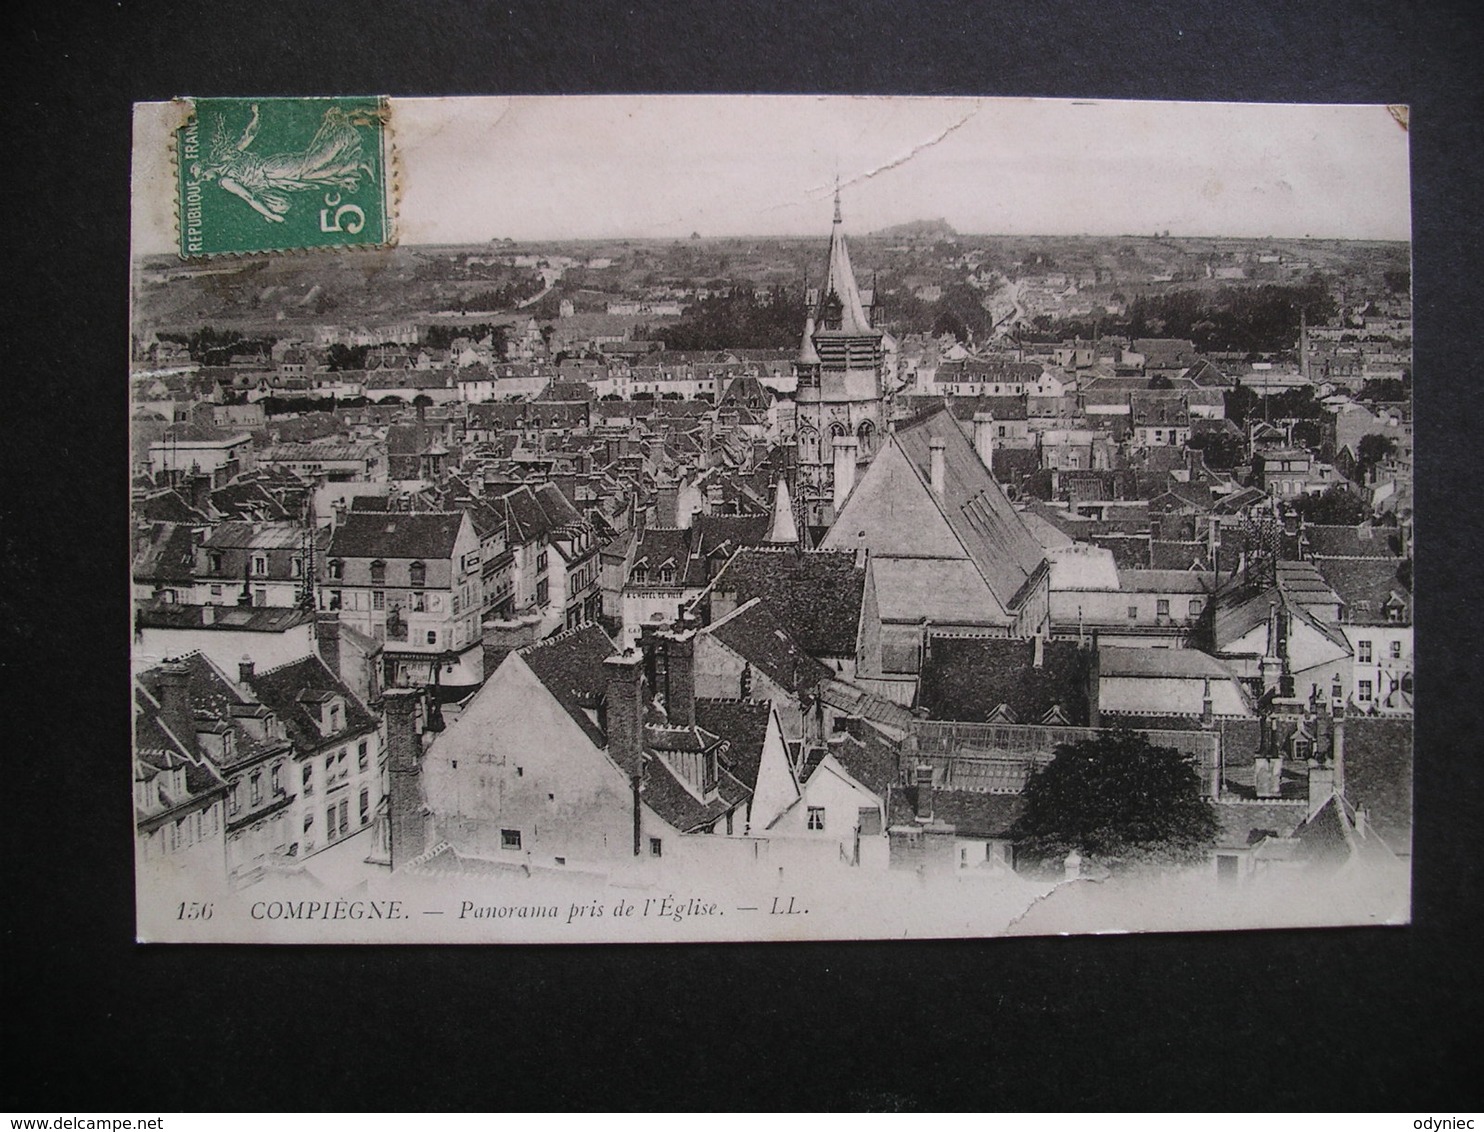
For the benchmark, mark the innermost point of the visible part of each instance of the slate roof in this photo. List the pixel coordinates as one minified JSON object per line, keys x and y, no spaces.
{"x":991,"y":533}
{"x":1330,"y":541}
{"x":968,"y":678}
{"x":285,"y":690}
{"x":744,"y":725}
{"x":1378,"y":774}
{"x":817,"y":595}
{"x":1242,"y":824}
{"x":1365,"y":586}
{"x":755,"y":634}
{"x":166,"y":506}
{"x":1185,"y":664}
{"x":866,"y":755}
{"x":971,"y":813}
{"x":944,"y":590}
{"x":227,"y":618}
{"x":570,"y":666}
{"x":663,"y":793}
{"x":396,"y":534}
{"x":167,"y":553}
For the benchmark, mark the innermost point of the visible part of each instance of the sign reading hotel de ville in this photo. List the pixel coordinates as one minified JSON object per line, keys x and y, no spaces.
{"x":757,"y":518}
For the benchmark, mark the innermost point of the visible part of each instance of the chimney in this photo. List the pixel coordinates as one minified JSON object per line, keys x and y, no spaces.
{"x":1208,"y":715}
{"x":1271,"y":665}
{"x":327,"y":638}
{"x":984,"y":438}
{"x":338,"y":510}
{"x":208,"y":615}
{"x":1038,"y":651}
{"x":924,"y":793}
{"x":844,"y":455}
{"x":937,"y":474}
{"x":245,"y":670}
{"x":624,"y":706}
{"x":680,"y":678}
{"x":175,"y":702}
{"x":1321,"y":785}
{"x":667,"y":505}
{"x":408,"y":829}
{"x":1267,"y":768}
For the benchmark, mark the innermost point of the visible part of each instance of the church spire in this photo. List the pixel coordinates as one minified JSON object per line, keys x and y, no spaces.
{"x":837,"y":199}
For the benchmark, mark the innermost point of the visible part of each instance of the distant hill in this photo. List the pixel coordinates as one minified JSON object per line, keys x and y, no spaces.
{"x":938,"y":229}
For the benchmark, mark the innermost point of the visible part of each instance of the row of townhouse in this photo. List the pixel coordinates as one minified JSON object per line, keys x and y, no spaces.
{"x":241,"y":778}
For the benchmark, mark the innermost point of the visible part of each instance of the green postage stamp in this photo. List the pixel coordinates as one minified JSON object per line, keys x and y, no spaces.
{"x":282,"y":174}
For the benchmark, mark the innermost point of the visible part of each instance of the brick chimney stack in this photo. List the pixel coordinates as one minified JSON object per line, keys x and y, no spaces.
{"x":175,"y":702}
{"x":327,"y":639}
{"x":404,"y":768}
{"x":246,"y":669}
{"x":624,"y":712}
{"x":924,"y":793}
{"x":680,"y":678}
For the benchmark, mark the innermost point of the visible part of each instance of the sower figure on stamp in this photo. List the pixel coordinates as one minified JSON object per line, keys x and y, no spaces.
{"x":333,"y":159}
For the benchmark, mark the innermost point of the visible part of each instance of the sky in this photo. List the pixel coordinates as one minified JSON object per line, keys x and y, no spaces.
{"x":580,"y":167}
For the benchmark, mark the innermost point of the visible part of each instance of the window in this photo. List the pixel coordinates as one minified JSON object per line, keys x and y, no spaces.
{"x":1133,"y":613}
{"x":275,"y":778}
{"x":541,"y":562}
{"x":509,"y":839}
{"x":378,"y":599}
{"x":1195,"y":607}
{"x":234,"y":799}
{"x":337,"y":569}
{"x":365,"y":806}
{"x":418,"y":575}
{"x":259,"y":564}
{"x":260,"y":597}
{"x":330,"y":822}
{"x":1363,"y":651}
{"x":1162,"y":607}
{"x":432,"y":636}
{"x":1366,"y":692}
{"x":308,"y":822}
{"x":335,"y":599}
{"x":420,"y":603}
{"x":363,"y":757}
{"x":656,"y":847}
{"x":1396,"y":650}
{"x":308,"y":779}
{"x":255,"y":795}
{"x":378,"y":573}
{"x":816,"y":817}
{"x":345,"y":815}
{"x":216,"y":591}
{"x":542,"y":590}
{"x":296,"y":566}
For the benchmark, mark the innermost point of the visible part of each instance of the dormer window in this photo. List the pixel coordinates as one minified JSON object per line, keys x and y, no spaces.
{"x":378,"y":573}
{"x":337,"y":569}
{"x":418,"y":575}
{"x":259,"y":564}
{"x":214,"y":561}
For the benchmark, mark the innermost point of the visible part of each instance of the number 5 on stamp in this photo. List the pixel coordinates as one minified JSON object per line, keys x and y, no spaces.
{"x":283,"y":174}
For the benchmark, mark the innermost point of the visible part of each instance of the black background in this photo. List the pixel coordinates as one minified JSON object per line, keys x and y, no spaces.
{"x":1382,"y":1018}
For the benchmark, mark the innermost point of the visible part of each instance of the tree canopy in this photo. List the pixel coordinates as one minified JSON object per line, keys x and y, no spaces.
{"x":1119,"y":799}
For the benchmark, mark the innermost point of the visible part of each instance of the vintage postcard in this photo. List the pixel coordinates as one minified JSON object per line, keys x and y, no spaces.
{"x":761,"y":518}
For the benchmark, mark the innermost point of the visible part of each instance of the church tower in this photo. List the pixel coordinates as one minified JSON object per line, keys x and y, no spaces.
{"x":841,"y":376}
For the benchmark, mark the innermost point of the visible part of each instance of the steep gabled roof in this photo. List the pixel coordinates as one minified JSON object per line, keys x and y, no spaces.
{"x":817,"y":595}
{"x":286,"y":689}
{"x":744,"y":726}
{"x":570,"y":667}
{"x":986,"y":525}
{"x":755,"y":634}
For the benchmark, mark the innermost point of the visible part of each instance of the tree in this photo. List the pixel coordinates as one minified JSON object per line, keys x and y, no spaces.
{"x":1118,"y":799}
{"x":1373,"y":448}
{"x":1337,"y":505}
